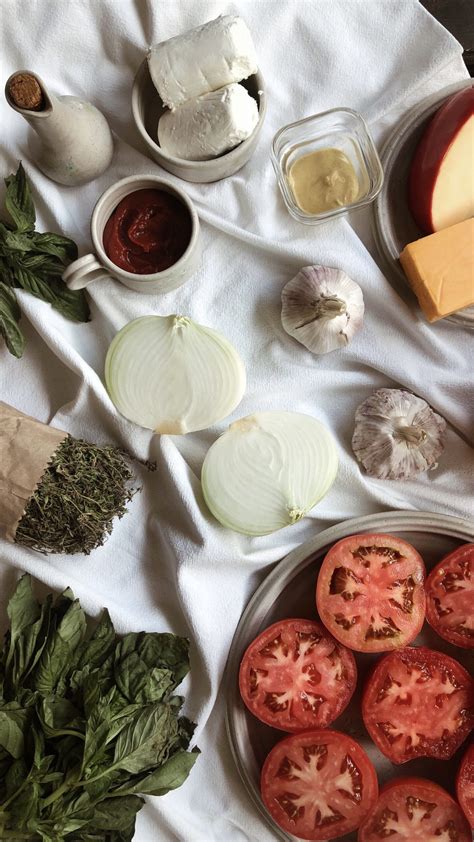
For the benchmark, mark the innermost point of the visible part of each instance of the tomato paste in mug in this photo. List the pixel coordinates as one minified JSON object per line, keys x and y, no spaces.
{"x":148,"y":232}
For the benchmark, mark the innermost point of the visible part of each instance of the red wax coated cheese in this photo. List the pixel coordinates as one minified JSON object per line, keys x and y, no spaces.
{"x":441,"y":181}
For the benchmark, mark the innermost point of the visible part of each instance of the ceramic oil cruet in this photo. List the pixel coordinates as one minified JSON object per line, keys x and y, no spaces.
{"x":74,"y":140}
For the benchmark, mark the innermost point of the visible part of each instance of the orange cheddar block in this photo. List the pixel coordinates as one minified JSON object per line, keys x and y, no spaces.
{"x":440,"y":269}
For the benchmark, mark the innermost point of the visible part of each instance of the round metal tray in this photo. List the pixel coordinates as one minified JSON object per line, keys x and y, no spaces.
{"x":289,"y":591}
{"x":394,"y":225}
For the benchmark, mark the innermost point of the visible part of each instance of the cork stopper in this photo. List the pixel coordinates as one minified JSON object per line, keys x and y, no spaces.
{"x":25,"y":92}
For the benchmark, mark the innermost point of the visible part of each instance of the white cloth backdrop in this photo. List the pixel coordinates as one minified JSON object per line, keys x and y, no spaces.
{"x":168,"y":564}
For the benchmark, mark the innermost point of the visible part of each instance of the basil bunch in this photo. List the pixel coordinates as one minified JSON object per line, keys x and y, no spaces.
{"x":33,"y":262}
{"x":86,"y":722}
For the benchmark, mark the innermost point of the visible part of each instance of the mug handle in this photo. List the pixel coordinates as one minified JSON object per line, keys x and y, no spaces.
{"x":82,"y":272}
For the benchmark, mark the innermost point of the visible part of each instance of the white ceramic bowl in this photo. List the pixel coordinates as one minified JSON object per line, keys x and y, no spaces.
{"x":94,"y":267}
{"x":147,"y":109}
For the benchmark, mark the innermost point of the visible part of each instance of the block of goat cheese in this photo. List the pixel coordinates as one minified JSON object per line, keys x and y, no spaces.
{"x":203,"y":59}
{"x":208,"y":125}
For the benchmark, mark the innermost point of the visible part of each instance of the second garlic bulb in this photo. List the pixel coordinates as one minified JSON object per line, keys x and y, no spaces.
{"x":322,"y":308}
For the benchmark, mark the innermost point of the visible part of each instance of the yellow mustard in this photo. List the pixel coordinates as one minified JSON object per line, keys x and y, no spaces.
{"x":323,"y":180}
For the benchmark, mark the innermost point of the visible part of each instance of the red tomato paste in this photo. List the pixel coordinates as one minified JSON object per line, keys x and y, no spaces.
{"x":148,"y":231}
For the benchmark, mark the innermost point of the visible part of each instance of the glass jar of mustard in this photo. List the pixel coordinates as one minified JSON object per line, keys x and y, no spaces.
{"x":326,"y":165}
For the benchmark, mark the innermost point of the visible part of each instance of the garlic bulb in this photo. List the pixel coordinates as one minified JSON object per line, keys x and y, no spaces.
{"x":322,"y":308}
{"x":397,"y":435}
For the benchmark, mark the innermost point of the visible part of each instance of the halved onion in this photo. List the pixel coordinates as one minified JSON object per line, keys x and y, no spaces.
{"x":268,"y":470}
{"x":172,"y":375}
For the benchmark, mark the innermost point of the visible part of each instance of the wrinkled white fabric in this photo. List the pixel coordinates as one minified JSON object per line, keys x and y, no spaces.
{"x":168,"y":564}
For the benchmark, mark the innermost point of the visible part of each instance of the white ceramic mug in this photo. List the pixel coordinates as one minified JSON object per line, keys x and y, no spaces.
{"x":94,"y":267}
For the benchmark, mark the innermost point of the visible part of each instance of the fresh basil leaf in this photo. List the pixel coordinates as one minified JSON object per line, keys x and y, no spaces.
{"x":96,"y":687}
{"x":37,"y":738}
{"x":140,"y":683}
{"x":34,"y":262}
{"x":169,"y":776}
{"x":78,"y":678}
{"x":104,"y":724}
{"x":25,"y":806}
{"x":59,"y":716}
{"x":72,"y":742}
{"x":26,"y":697}
{"x":71,"y":303}
{"x":186,"y":730}
{"x":47,"y":265}
{"x":69,"y":752}
{"x":74,"y":810}
{"x":116,"y":814}
{"x":7,"y":275}
{"x":59,"y":650}
{"x":72,"y":627}
{"x":17,"y":241}
{"x":106,"y":720}
{"x":12,"y":731}
{"x":110,"y":836}
{"x":87,"y":835}
{"x":4,"y":231}
{"x":32,"y":642}
{"x":120,"y":720}
{"x":167,"y":651}
{"x":144,"y":740}
{"x":61,"y":247}
{"x":52,"y":666}
{"x":95,"y":651}
{"x":2,"y":672}
{"x":63,"y":603}
{"x":23,"y":610}
{"x":45,"y":831}
{"x":18,"y":200}
{"x":68,"y":826}
{"x":6,"y":763}
{"x":123,"y":835}
{"x":99,"y":789}
{"x":16,"y":775}
{"x":27,"y":651}
{"x":91,"y":690}
{"x":95,"y":748}
{"x":10,"y":315}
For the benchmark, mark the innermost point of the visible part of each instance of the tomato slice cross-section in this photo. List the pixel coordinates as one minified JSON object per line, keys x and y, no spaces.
{"x":414,"y":810}
{"x":370,"y":592}
{"x":465,"y":784}
{"x":450,"y":597}
{"x":418,"y":703}
{"x":295,"y":676}
{"x":318,"y":784}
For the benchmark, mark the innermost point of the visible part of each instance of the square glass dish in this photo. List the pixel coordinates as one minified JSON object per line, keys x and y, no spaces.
{"x":342,"y":129}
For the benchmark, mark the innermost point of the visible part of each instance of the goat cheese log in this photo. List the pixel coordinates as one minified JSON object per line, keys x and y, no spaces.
{"x":208,"y":125}
{"x":202,"y":60}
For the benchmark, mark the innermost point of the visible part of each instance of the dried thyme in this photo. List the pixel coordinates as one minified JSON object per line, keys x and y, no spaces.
{"x":82,"y":490}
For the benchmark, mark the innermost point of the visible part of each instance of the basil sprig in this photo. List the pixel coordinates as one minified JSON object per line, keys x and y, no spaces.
{"x":34,"y":262}
{"x":87,"y":723}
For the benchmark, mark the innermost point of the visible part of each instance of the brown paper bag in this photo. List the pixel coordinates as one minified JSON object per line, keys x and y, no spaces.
{"x":26,"y":447}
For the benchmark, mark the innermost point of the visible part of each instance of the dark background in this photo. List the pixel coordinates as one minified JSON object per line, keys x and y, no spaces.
{"x":458,"y":17}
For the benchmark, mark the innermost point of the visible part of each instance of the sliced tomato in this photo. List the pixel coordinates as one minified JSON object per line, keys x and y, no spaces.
{"x":450,"y":597}
{"x":318,"y":784}
{"x":465,"y":784}
{"x":418,"y":703}
{"x":370,"y":592}
{"x":295,"y":676}
{"x":415,"y":810}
